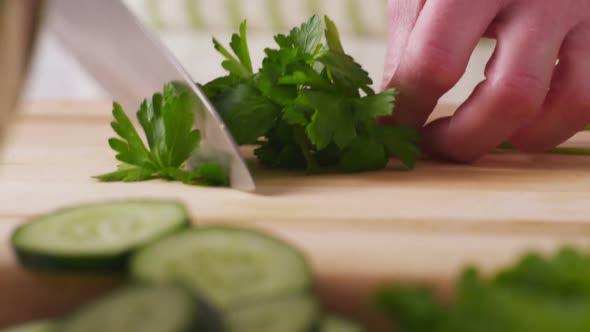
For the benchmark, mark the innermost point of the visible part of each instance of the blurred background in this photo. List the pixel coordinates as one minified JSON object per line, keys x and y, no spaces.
{"x":187,"y":27}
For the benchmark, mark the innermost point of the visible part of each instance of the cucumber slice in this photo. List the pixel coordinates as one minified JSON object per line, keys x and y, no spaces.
{"x":297,"y":313}
{"x":228,"y":266}
{"x":95,"y":237}
{"x":42,"y":326}
{"x":339,"y":324}
{"x":144,"y":309}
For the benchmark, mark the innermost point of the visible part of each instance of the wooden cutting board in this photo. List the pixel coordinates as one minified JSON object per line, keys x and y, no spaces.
{"x":359,"y":231}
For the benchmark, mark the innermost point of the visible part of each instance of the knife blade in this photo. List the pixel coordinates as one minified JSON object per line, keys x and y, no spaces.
{"x":131,"y":64}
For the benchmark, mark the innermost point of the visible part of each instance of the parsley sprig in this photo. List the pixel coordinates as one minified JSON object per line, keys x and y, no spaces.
{"x":167,"y":120}
{"x":310,"y":106}
{"x":544,"y":294}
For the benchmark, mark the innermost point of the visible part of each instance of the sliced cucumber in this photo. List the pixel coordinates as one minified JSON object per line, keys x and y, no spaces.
{"x":95,"y":237}
{"x":228,"y":266}
{"x":298,"y":313}
{"x":42,"y":326}
{"x":144,"y":309}
{"x":339,"y":324}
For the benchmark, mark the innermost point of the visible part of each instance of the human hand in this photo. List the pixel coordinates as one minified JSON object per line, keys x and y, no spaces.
{"x":526,"y":98}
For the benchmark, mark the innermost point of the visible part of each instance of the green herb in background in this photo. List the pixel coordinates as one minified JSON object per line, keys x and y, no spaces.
{"x":538,"y":294}
{"x":167,"y":120}
{"x":558,"y":150}
{"x":310,"y":106}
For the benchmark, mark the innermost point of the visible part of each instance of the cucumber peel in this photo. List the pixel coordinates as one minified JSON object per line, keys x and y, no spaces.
{"x":95,"y":237}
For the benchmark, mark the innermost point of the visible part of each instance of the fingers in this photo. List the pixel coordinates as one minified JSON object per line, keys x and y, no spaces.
{"x":401,"y":18}
{"x":437,"y":54}
{"x":567,"y":108}
{"x":518,"y":80}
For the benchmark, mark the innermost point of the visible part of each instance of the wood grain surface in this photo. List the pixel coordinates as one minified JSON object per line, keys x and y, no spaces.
{"x":359,"y":231}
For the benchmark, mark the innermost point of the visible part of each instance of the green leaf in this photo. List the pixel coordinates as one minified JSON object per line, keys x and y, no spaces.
{"x":174,"y":174}
{"x":242,"y":65}
{"x":308,"y":36}
{"x":401,"y":142}
{"x":284,"y":41}
{"x":345,"y":71}
{"x":277,"y":62}
{"x":296,"y":115}
{"x":231,"y":63}
{"x":239,"y":45}
{"x":150,"y":118}
{"x":274,"y":67}
{"x":282,"y":148}
{"x":130,"y":149}
{"x":333,"y":120}
{"x":127,"y":173}
{"x":333,"y":36}
{"x":284,"y":156}
{"x":297,"y":78}
{"x":363,"y":154}
{"x":306,"y":76}
{"x":373,"y":106}
{"x":247,"y":114}
{"x":416,"y":308}
{"x":214,"y":88}
{"x":181,"y":139}
{"x":211,"y":174}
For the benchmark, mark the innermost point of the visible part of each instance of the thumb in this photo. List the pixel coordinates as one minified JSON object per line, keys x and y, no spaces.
{"x":401,"y":18}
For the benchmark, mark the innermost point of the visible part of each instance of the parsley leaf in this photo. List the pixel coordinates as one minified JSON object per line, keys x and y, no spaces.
{"x":332,"y":121}
{"x":348,"y":74}
{"x":242,"y":65}
{"x":231,"y":64}
{"x":129,"y":147}
{"x":401,"y":142}
{"x":415,"y":308}
{"x":127,"y":173}
{"x":167,"y":120}
{"x":214,"y":88}
{"x":181,"y":140}
{"x":370,"y":107}
{"x":306,"y":76}
{"x":274,"y":67}
{"x":333,"y":36}
{"x":245,"y":110}
{"x":296,"y":114}
{"x":309,"y":106}
{"x":239,"y":44}
{"x":363,"y":154}
{"x":211,"y":174}
{"x":308,"y":36}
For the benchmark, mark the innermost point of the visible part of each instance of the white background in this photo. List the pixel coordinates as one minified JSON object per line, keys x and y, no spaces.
{"x":56,"y":75}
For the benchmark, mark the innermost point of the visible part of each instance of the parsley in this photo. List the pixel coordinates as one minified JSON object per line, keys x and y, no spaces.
{"x":167,"y":120}
{"x":309,"y":106}
{"x":538,"y":294}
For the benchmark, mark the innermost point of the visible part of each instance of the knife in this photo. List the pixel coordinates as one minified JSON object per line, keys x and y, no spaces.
{"x":131,"y":64}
